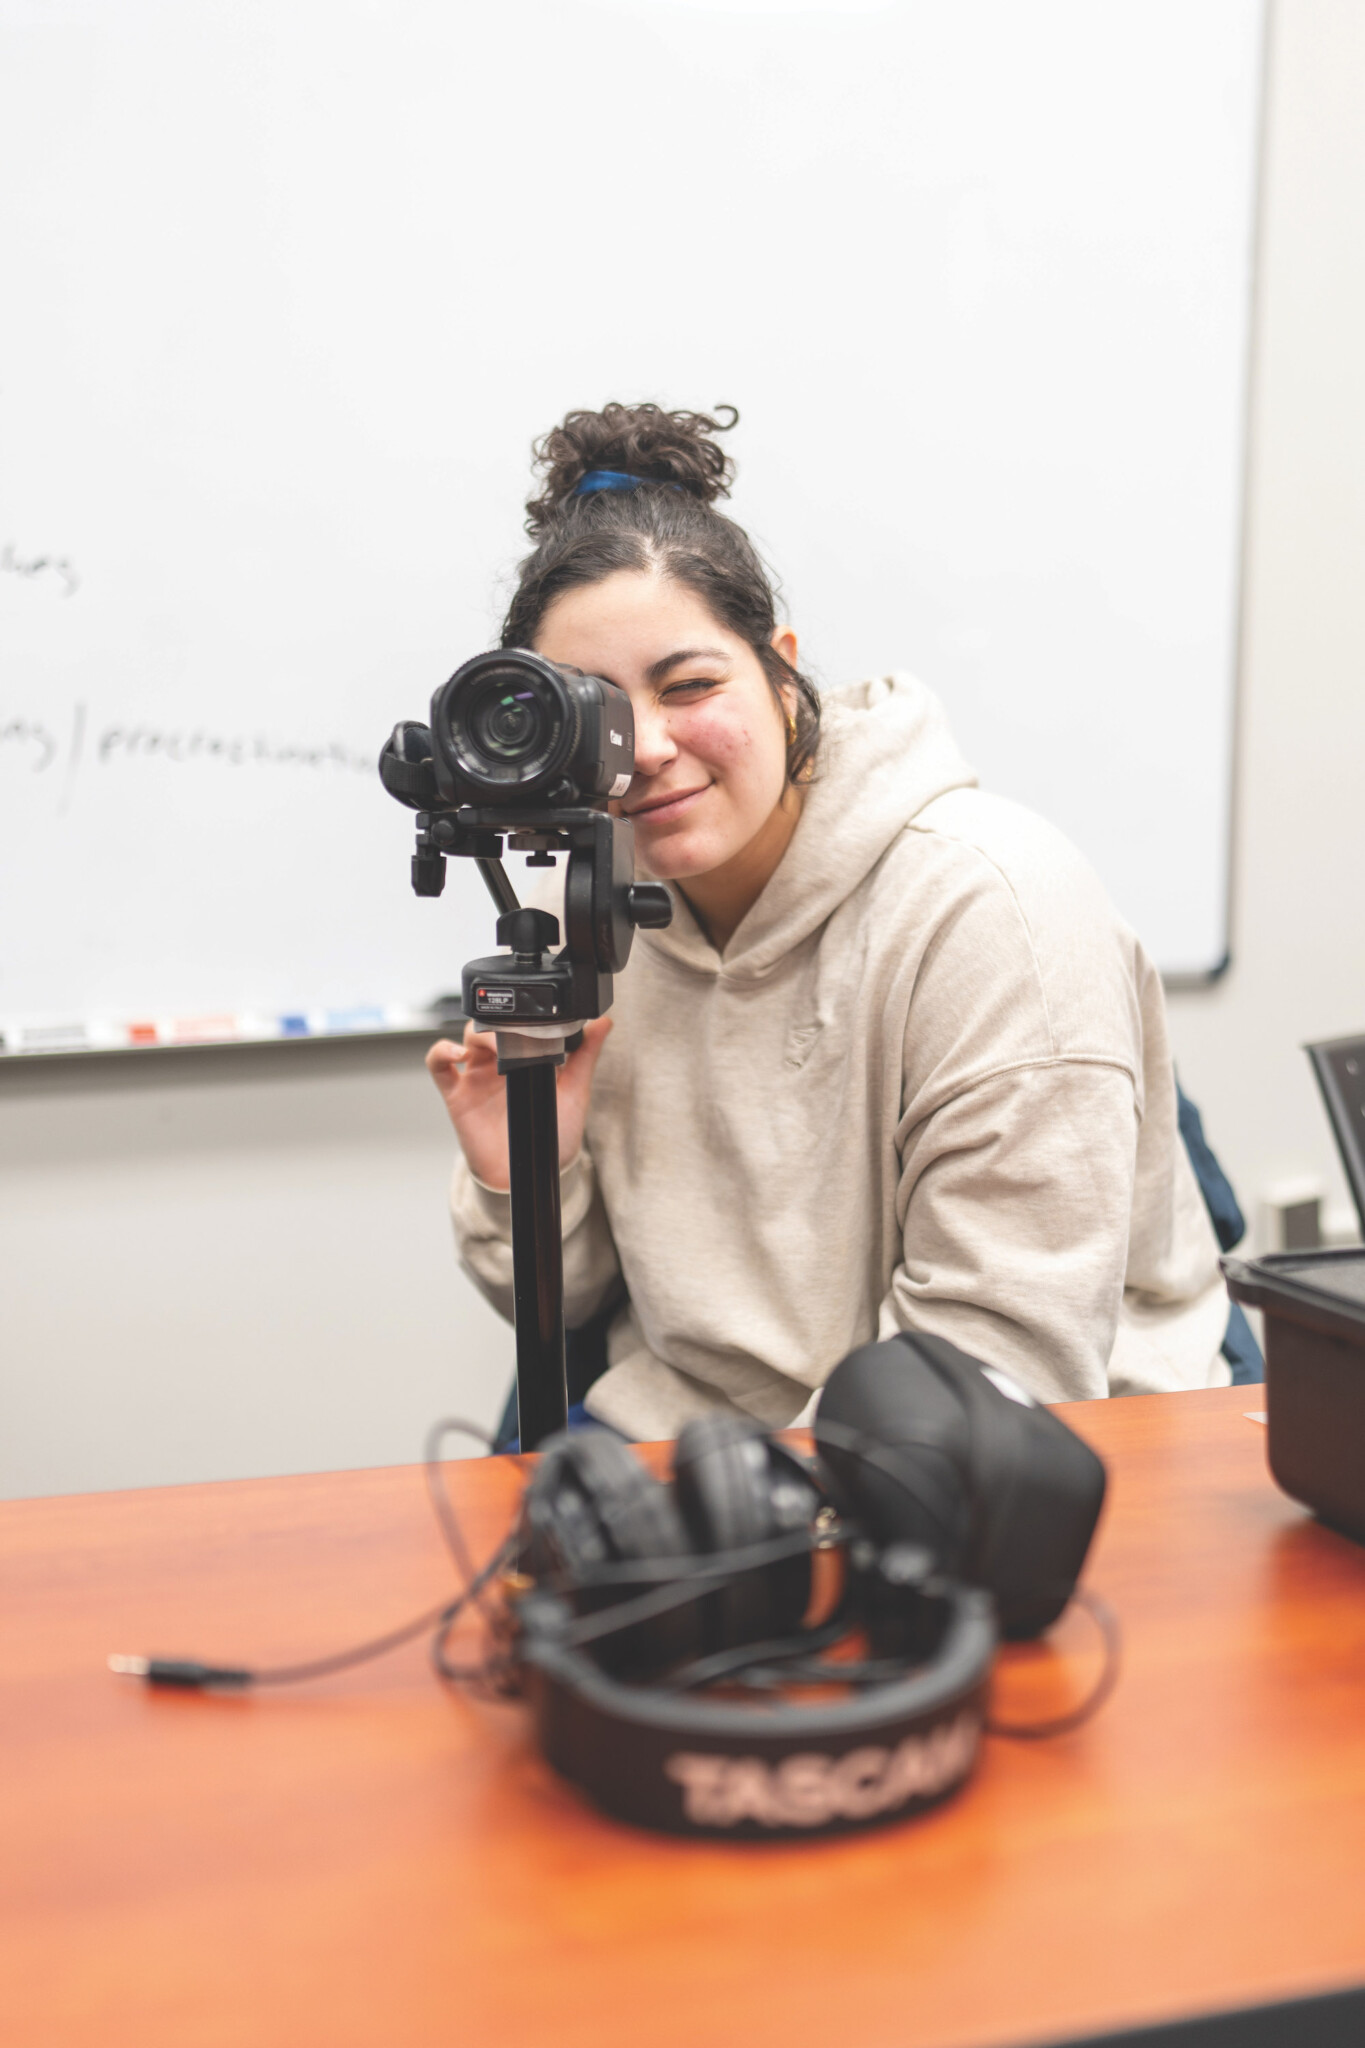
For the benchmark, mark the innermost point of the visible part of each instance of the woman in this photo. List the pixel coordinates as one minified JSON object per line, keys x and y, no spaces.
{"x":896,"y":1064}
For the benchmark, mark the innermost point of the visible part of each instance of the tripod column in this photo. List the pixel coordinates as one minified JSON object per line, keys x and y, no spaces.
{"x":537,"y":1247}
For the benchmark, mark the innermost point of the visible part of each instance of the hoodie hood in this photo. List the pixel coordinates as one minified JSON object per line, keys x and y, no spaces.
{"x":885,"y":753}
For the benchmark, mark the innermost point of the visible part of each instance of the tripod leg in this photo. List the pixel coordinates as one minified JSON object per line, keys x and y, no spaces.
{"x":537,"y":1250}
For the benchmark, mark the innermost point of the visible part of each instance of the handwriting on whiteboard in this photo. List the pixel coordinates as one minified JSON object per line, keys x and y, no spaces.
{"x":30,"y":737}
{"x":145,"y":742}
{"x":56,"y":570}
{"x":43,"y":748}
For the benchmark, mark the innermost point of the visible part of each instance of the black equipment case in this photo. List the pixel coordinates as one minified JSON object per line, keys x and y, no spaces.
{"x":1314,"y":1308}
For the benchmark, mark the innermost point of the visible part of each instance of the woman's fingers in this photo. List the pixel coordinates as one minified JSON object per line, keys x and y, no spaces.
{"x":470,"y":1068}
{"x":444,"y":1061}
{"x":475,"y":1096}
{"x":476,"y":1101}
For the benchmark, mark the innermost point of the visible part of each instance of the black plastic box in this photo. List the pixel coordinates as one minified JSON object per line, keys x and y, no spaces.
{"x":1314,"y":1308}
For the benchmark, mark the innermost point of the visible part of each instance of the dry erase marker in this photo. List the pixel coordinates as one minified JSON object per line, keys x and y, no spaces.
{"x":203,"y":1030}
{"x":365,"y":1017}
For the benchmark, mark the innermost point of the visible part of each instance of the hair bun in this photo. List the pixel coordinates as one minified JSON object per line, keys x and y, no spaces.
{"x":642,"y":440}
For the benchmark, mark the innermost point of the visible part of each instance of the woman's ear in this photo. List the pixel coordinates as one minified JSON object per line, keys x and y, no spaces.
{"x":783,"y":641}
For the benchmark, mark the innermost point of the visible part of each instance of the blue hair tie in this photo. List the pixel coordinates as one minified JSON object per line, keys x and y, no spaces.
{"x":605,"y":480}
{"x":616,"y":480}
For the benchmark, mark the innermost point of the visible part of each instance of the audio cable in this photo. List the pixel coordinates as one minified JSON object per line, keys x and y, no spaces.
{"x":761,"y":1666}
{"x":191,"y":1675}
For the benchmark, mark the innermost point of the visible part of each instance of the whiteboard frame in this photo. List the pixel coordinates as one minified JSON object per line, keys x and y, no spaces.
{"x":1186,"y":984}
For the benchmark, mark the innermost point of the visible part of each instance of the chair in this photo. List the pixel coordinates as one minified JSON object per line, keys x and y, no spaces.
{"x":1240,"y":1348}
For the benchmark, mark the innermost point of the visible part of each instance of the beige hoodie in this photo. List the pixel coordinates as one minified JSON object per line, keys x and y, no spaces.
{"x":926,"y":1086}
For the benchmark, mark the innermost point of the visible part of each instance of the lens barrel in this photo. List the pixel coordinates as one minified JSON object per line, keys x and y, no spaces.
{"x":509,"y":727}
{"x":505,"y":721}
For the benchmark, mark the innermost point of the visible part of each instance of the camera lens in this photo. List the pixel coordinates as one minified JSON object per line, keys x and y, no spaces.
{"x":505,"y":726}
{"x":506,"y":721}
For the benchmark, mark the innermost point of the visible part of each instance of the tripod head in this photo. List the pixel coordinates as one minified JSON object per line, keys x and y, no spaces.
{"x":603,"y":904}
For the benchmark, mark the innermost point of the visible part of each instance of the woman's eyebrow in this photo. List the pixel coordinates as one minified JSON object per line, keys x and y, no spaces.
{"x":656,"y":672}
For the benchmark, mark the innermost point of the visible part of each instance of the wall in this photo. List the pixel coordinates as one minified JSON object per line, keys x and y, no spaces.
{"x":222,"y":1263}
{"x":232,"y":1263}
{"x":1298,"y":945}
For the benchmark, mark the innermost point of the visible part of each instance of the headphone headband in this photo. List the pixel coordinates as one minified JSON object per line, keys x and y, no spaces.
{"x":713,"y":1767}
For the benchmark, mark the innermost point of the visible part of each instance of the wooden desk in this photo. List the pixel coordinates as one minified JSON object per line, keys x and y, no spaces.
{"x":375,"y":1861}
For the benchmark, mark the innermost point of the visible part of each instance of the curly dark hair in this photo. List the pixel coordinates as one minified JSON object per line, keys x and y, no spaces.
{"x":667,"y":525}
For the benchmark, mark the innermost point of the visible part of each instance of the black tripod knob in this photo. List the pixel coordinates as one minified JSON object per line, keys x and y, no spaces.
{"x":428,"y":873}
{"x":528,"y":932}
{"x":649,"y":904}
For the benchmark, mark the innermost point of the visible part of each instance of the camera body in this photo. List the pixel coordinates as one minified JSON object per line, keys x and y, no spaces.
{"x":510,"y":728}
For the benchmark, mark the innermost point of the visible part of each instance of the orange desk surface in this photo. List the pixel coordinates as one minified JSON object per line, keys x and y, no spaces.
{"x":375,"y":1860}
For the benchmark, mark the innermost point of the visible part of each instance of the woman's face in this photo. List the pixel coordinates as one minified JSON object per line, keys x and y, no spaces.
{"x":710,"y":736}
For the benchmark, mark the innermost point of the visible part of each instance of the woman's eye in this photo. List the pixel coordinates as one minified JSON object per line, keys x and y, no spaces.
{"x":689,"y":691}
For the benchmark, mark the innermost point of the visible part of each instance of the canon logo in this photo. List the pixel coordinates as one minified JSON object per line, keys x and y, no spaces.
{"x":809,"y":1791}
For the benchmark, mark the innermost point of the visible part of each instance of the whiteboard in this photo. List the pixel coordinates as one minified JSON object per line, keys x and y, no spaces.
{"x":292,"y":284}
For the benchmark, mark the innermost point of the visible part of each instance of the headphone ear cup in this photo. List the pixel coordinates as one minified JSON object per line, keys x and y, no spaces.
{"x":636,"y":1511}
{"x":720,"y":1471}
{"x":724,"y":1476}
{"x":592,"y":1504}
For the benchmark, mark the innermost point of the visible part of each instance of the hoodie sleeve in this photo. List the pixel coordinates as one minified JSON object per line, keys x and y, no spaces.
{"x":483,"y":1236}
{"x":1014,"y":1202}
{"x":1045,"y":1215}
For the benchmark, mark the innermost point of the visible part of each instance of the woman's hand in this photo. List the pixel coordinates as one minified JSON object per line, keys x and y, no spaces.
{"x":475,"y":1096}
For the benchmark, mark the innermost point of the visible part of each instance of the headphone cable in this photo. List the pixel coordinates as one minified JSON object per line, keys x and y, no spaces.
{"x":189,"y":1674}
{"x":724,"y":1566}
{"x":1106,"y":1621}
{"x":752,"y":1663}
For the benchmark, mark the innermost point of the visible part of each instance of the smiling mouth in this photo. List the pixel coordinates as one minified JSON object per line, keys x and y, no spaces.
{"x":661,"y":809}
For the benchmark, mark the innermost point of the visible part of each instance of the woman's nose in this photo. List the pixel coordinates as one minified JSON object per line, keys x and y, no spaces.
{"x":654,"y":744}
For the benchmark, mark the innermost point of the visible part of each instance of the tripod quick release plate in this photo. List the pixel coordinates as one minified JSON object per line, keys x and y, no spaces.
{"x":500,"y":993}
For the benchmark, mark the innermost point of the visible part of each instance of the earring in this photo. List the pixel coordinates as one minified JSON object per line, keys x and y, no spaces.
{"x":791,"y":730}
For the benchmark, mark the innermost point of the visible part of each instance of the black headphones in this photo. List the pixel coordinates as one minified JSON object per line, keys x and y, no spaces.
{"x":945,"y":1506}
